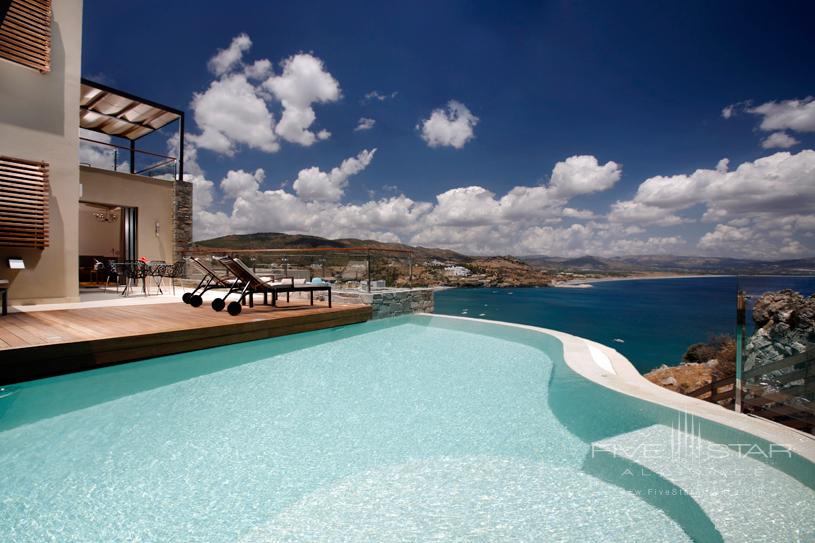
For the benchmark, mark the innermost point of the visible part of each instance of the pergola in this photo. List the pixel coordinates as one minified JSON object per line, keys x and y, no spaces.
{"x":117,"y":113}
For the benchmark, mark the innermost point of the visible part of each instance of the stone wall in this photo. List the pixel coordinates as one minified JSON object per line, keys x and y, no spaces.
{"x":389,"y":302}
{"x":182,"y":218}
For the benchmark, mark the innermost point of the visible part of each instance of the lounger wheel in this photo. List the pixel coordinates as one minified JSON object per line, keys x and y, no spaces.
{"x":196,"y":300}
{"x":218,"y":304}
{"x":186,"y":297}
{"x":234,"y":308}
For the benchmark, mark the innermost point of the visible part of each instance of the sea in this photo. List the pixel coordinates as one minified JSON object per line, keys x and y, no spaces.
{"x":650,"y":321}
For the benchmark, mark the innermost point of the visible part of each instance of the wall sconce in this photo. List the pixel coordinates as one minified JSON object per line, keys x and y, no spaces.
{"x":158,"y":228}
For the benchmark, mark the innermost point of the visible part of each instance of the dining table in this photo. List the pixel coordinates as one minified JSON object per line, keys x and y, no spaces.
{"x":134,"y":270}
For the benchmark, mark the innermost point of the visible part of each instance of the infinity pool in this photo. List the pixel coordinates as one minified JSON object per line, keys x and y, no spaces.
{"x":410,"y":429}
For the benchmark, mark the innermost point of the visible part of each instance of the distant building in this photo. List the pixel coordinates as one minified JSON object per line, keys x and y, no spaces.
{"x":457,"y":271}
{"x":435,"y":264}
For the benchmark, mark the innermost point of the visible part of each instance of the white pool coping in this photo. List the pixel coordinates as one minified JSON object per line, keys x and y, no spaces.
{"x":617,"y":373}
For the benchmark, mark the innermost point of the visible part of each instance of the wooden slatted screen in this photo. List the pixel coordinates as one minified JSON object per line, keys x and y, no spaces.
{"x":24,"y":194}
{"x":25,"y":34}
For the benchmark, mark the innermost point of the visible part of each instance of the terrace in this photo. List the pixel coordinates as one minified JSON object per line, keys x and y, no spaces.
{"x":113,"y":113}
{"x":107,"y":327}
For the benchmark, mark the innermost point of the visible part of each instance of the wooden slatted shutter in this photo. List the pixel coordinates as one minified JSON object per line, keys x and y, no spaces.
{"x":25,"y":34}
{"x":24,"y":194}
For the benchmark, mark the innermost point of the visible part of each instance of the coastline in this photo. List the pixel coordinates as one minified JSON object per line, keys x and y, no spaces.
{"x":578,"y":283}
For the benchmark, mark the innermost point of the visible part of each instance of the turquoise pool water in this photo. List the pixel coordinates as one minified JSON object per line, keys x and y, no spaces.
{"x":412,"y":429}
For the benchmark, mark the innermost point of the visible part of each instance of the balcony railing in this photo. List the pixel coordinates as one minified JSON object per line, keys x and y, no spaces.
{"x":118,"y":158}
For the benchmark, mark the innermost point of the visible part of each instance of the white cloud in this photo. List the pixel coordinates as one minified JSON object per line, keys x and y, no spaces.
{"x":761,"y":209}
{"x":472,"y":218}
{"x":239,"y":183}
{"x":583,"y":175}
{"x":313,"y":184}
{"x":642,"y":214}
{"x":797,"y":115}
{"x":451,"y":128}
{"x":236,"y":110}
{"x":365,"y":123}
{"x":260,"y":69}
{"x":228,"y":58}
{"x":202,"y":196}
{"x":768,"y":198}
{"x":230,"y":112}
{"x":304,"y":82}
{"x":776,"y":185}
{"x":93,"y":154}
{"x":729,"y":111}
{"x":780,"y":140}
{"x":582,"y":214}
{"x":376,"y":95}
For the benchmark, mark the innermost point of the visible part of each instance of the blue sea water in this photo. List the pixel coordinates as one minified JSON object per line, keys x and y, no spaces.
{"x":656,"y":319}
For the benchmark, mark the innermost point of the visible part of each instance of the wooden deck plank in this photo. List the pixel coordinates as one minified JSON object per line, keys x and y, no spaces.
{"x":43,"y":343}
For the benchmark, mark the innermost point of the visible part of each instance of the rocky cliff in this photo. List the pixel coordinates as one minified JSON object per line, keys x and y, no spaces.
{"x":785,"y":325}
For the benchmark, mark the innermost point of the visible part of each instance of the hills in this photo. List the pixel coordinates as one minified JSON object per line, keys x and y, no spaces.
{"x":674,"y":264}
{"x":276,"y":240}
{"x":620,"y":265}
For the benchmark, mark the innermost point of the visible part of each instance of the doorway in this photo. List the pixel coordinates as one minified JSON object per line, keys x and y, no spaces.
{"x":107,"y":233}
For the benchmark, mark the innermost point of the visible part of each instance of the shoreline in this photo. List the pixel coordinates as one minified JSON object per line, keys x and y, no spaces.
{"x":572,"y":283}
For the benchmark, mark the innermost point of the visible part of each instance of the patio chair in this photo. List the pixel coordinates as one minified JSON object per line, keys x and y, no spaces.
{"x":133,"y":271}
{"x":249,"y":284}
{"x":175,"y":271}
{"x":110,"y":274}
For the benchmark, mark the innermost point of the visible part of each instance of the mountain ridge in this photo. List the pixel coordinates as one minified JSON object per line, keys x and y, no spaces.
{"x":586,"y":263}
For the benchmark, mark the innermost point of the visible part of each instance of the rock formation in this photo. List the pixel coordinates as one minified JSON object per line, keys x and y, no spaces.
{"x":785,"y":325}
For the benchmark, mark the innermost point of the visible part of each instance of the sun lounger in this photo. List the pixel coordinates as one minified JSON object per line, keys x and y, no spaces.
{"x":209,"y":281}
{"x":249,"y":284}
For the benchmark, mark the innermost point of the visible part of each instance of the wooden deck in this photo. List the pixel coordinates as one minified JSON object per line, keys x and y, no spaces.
{"x":44,"y":343}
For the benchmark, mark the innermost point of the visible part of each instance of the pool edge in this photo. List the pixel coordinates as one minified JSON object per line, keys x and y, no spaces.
{"x":627,"y":380}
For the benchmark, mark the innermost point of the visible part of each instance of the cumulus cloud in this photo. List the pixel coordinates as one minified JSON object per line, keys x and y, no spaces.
{"x":770,"y":197}
{"x":228,"y":58}
{"x":365,"y":123}
{"x":471,"y":219}
{"x":312,"y":184}
{"x":260,"y":69}
{"x":304,"y":81}
{"x":99,"y":155}
{"x":452,"y":127}
{"x":797,"y":115}
{"x":230,"y":112}
{"x":779,"y":140}
{"x":238,"y":106}
{"x":760,"y":209}
{"x":578,"y":213}
{"x":642,"y":214}
{"x":239,"y":183}
{"x":583,"y":175}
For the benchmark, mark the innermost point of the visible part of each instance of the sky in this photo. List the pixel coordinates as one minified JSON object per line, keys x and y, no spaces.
{"x":548,"y":128}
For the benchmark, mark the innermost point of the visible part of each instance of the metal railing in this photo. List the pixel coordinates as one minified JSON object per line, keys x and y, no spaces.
{"x":118,"y":158}
{"x":349,"y":267}
{"x":781,"y":390}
